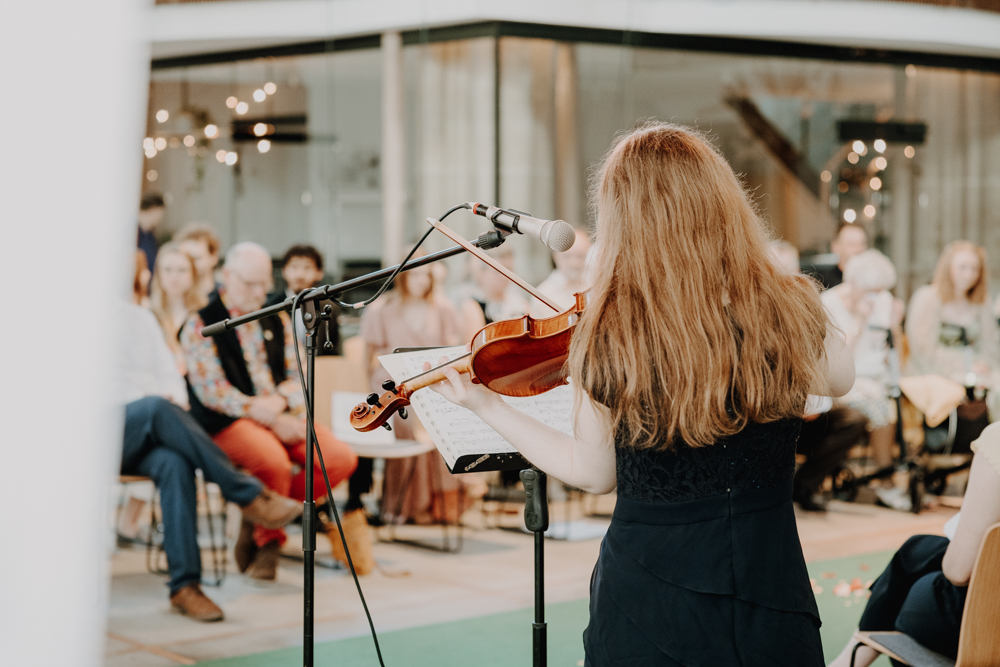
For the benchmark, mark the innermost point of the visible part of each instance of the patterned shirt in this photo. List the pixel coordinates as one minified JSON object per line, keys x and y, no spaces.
{"x":208,"y":380}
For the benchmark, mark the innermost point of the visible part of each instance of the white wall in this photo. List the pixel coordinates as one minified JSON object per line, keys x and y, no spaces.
{"x":72,"y":76}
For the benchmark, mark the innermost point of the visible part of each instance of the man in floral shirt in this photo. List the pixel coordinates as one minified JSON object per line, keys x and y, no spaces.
{"x":245,"y":392}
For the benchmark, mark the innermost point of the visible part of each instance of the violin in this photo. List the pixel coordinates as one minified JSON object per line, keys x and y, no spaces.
{"x":520,"y":357}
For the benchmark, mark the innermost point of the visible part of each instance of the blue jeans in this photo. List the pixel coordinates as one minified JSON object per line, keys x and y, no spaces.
{"x":165,"y":444}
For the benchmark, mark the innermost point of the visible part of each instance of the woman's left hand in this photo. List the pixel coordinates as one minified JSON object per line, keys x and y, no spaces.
{"x":461,"y":390}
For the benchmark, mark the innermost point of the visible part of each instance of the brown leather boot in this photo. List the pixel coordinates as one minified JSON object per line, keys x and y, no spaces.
{"x":271,"y":510}
{"x":245,"y":549}
{"x":190,"y":601}
{"x":358,"y":535}
{"x":265,"y":564}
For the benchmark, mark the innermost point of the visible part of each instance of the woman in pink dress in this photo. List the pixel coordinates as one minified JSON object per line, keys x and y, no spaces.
{"x":414,"y":314}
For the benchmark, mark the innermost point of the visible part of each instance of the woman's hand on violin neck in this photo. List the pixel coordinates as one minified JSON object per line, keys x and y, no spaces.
{"x":460,"y":390}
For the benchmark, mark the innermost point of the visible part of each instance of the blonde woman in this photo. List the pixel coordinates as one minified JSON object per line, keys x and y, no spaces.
{"x":413,"y":315}
{"x":950,"y":325}
{"x":175,"y":295}
{"x":692,"y":363}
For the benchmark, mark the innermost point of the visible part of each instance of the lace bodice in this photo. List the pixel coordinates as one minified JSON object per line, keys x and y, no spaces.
{"x":759,"y":456}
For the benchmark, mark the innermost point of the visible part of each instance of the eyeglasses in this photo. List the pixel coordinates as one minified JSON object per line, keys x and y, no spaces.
{"x":264,"y":285}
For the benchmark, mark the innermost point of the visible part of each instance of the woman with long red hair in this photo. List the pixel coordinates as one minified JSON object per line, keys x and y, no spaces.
{"x":691,"y":364}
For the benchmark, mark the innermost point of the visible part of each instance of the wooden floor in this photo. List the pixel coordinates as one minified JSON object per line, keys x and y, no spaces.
{"x":415,"y":586}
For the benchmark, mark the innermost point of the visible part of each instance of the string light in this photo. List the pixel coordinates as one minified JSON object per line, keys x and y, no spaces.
{"x":174,"y":142}
{"x":147,"y":143}
{"x":260,"y":129}
{"x":231,"y":102}
{"x":259,"y":95}
{"x":853,"y":157}
{"x":160,"y":143}
{"x":189,"y":140}
{"x":150,"y":152}
{"x":826,"y":176}
{"x":876,"y":183}
{"x":909,"y":151}
{"x":269,"y":88}
{"x":211,"y":131}
{"x":231,"y":158}
{"x":242,"y":108}
{"x":263,"y":145}
{"x":859,"y":147}
{"x":881,"y":163}
{"x":220,"y":155}
{"x":151,"y":175}
{"x":879,"y":145}
{"x":162,"y":115}
{"x":869,"y":211}
{"x":850,"y":215}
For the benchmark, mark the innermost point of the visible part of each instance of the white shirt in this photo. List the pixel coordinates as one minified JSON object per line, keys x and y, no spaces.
{"x":146,"y":366}
{"x":871,"y":351}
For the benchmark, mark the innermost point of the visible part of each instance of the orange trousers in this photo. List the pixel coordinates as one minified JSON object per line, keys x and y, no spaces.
{"x":258,"y":451}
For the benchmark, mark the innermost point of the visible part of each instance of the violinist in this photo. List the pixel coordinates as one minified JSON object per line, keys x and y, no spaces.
{"x":691,"y":365}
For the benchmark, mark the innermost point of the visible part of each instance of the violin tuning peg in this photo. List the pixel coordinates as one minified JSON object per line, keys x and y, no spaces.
{"x":386,"y":426}
{"x":389,"y":385}
{"x":372,"y":399}
{"x":402,"y":413}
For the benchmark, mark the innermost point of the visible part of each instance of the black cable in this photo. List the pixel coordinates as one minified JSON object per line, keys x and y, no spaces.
{"x":312,"y":430}
{"x":388,"y":281}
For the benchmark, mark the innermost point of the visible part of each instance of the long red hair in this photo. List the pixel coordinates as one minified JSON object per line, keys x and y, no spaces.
{"x":691,"y":330}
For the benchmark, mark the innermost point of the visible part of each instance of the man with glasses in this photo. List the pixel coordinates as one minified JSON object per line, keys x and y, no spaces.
{"x":244,"y":390}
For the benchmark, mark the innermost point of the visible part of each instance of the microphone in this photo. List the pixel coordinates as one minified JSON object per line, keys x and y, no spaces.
{"x":557,"y":235}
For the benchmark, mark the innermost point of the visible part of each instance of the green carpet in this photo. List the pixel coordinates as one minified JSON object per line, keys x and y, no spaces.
{"x":503,"y":640}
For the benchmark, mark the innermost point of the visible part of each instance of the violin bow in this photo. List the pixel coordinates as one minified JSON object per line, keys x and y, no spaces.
{"x":493,"y":264}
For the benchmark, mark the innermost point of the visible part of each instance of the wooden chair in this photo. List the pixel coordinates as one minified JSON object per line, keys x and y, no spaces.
{"x":216,"y":520}
{"x":979,"y":638}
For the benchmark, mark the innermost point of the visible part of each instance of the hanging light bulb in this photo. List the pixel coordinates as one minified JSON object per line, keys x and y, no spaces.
{"x":231,"y":102}
{"x":220,"y":155}
{"x":259,"y":95}
{"x":162,"y":115}
{"x":853,"y":157}
{"x":876,"y":183}
{"x":160,"y":143}
{"x":909,"y":151}
{"x":859,"y":147}
{"x":260,"y":129}
{"x":880,"y":145}
{"x":151,"y":175}
{"x":869,"y":211}
{"x":211,"y":131}
{"x":231,"y":158}
{"x":189,"y":140}
{"x":242,"y":108}
{"x":269,"y":88}
{"x":881,"y":163}
{"x":850,"y":215}
{"x":147,"y":143}
{"x":263,"y":145}
{"x":150,"y":152}
{"x":826,"y":176}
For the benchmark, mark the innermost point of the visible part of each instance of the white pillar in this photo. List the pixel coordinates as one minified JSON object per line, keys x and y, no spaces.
{"x":393,"y":166}
{"x":74,"y":80}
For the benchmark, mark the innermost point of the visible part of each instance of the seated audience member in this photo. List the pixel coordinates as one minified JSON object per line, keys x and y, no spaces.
{"x":244,"y":391}
{"x":163,"y":442}
{"x":851,"y":240}
{"x":922,"y":591}
{"x":302,"y":268}
{"x":175,"y":295}
{"x":495,"y":298}
{"x":568,"y":278}
{"x":414,"y":314}
{"x":202,"y":244}
{"x":950,"y":325}
{"x":865,"y":311}
{"x":151,"y":210}
{"x":828,"y":432}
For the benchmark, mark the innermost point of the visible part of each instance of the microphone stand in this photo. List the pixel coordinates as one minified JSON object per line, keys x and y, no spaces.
{"x":311,"y":318}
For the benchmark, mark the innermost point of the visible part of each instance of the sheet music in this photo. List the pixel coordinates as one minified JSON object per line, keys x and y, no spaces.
{"x":458,"y":432}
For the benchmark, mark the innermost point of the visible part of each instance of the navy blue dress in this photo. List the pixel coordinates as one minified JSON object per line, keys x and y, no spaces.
{"x":702,"y":565}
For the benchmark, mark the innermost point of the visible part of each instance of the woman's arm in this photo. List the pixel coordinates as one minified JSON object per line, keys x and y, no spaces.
{"x":840,"y":365}
{"x":586,"y":461}
{"x":980,"y":510}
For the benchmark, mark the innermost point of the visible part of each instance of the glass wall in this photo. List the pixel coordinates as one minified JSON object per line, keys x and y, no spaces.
{"x":313,"y":174}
